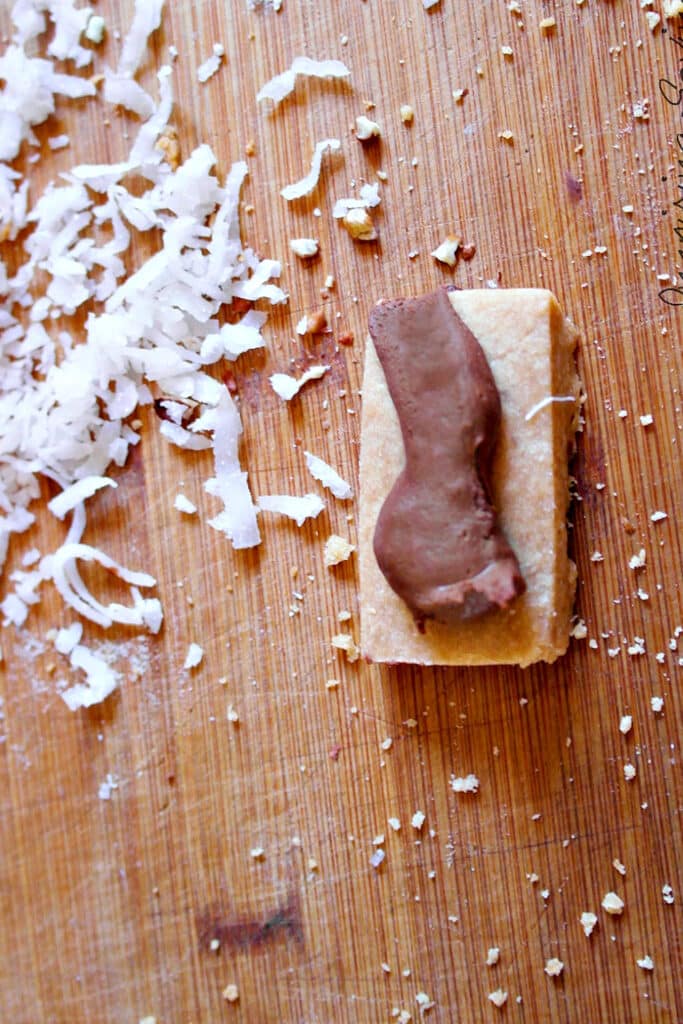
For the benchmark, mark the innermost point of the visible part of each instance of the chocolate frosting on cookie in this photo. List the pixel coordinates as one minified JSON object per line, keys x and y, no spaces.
{"x":437,"y":538}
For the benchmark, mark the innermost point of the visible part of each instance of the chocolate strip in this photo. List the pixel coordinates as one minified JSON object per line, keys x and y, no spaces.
{"x":437,"y":538}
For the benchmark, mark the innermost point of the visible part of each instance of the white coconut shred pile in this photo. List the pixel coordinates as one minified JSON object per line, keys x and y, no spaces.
{"x":67,"y":396}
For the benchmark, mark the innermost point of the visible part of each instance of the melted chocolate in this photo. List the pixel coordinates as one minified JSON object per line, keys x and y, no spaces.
{"x":437,"y":538}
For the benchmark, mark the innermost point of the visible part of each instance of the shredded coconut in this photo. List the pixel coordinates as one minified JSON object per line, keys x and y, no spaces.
{"x":66,"y":396}
{"x":310,"y":180}
{"x":368,"y":198}
{"x":544,"y":402}
{"x":286,"y":387}
{"x":100,"y":680}
{"x":68,"y":637}
{"x":194,"y":656}
{"x":237,"y":520}
{"x":211,"y":65}
{"x":298,"y":508}
{"x":120,"y":86}
{"x":76,"y":494}
{"x":283,"y":84}
{"x":328,"y":477}
{"x":183,"y":504}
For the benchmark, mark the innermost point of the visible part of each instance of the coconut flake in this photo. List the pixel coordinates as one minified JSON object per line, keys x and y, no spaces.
{"x":283,"y":84}
{"x":183,"y":504}
{"x":120,"y":87}
{"x":368,"y":198}
{"x":298,"y":508}
{"x":177,"y":435}
{"x":77,"y":493}
{"x":310,"y":180}
{"x":146,"y":20}
{"x":59,"y":142}
{"x":238,"y":518}
{"x":68,"y":637}
{"x":123,"y":91}
{"x":447,"y":251}
{"x":100,"y":177}
{"x":28,"y":97}
{"x":209,"y":67}
{"x":14,"y":611}
{"x":467,"y":784}
{"x":61,"y":567}
{"x":328,"y":477}
{"x":101,"y":680}
{"x":244,"y":336}
{"x":194,"y":656}
{"x":287,"y":387}
{"x":95,"y":29}
{"x":548,"y":400}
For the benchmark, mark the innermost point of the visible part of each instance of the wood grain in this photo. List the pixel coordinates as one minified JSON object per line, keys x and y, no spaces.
{"x":107,"y":907}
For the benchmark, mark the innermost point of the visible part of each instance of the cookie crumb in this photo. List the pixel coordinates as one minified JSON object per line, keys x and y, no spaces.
{"x":498,"y":998}
{"x":337,"y":550}
{"x":345,"y":642}
{"x":554,"y":967}
{"x":231,"y":993}
{"x":612,"y":903}
{"x":359,"y":225}
{"x":367,"y":129}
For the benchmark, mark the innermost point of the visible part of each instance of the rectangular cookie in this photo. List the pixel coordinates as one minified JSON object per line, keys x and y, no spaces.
{"x":529,"y":347}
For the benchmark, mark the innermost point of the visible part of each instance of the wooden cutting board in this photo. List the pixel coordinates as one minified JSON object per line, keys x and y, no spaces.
{"x":108,"y":907}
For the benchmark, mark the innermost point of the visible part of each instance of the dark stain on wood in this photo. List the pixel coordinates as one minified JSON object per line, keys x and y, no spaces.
{"x":574,"y":187}
{"x":237,"y":931}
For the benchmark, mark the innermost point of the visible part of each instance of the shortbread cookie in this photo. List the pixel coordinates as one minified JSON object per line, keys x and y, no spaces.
{"x":470,"y":576}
